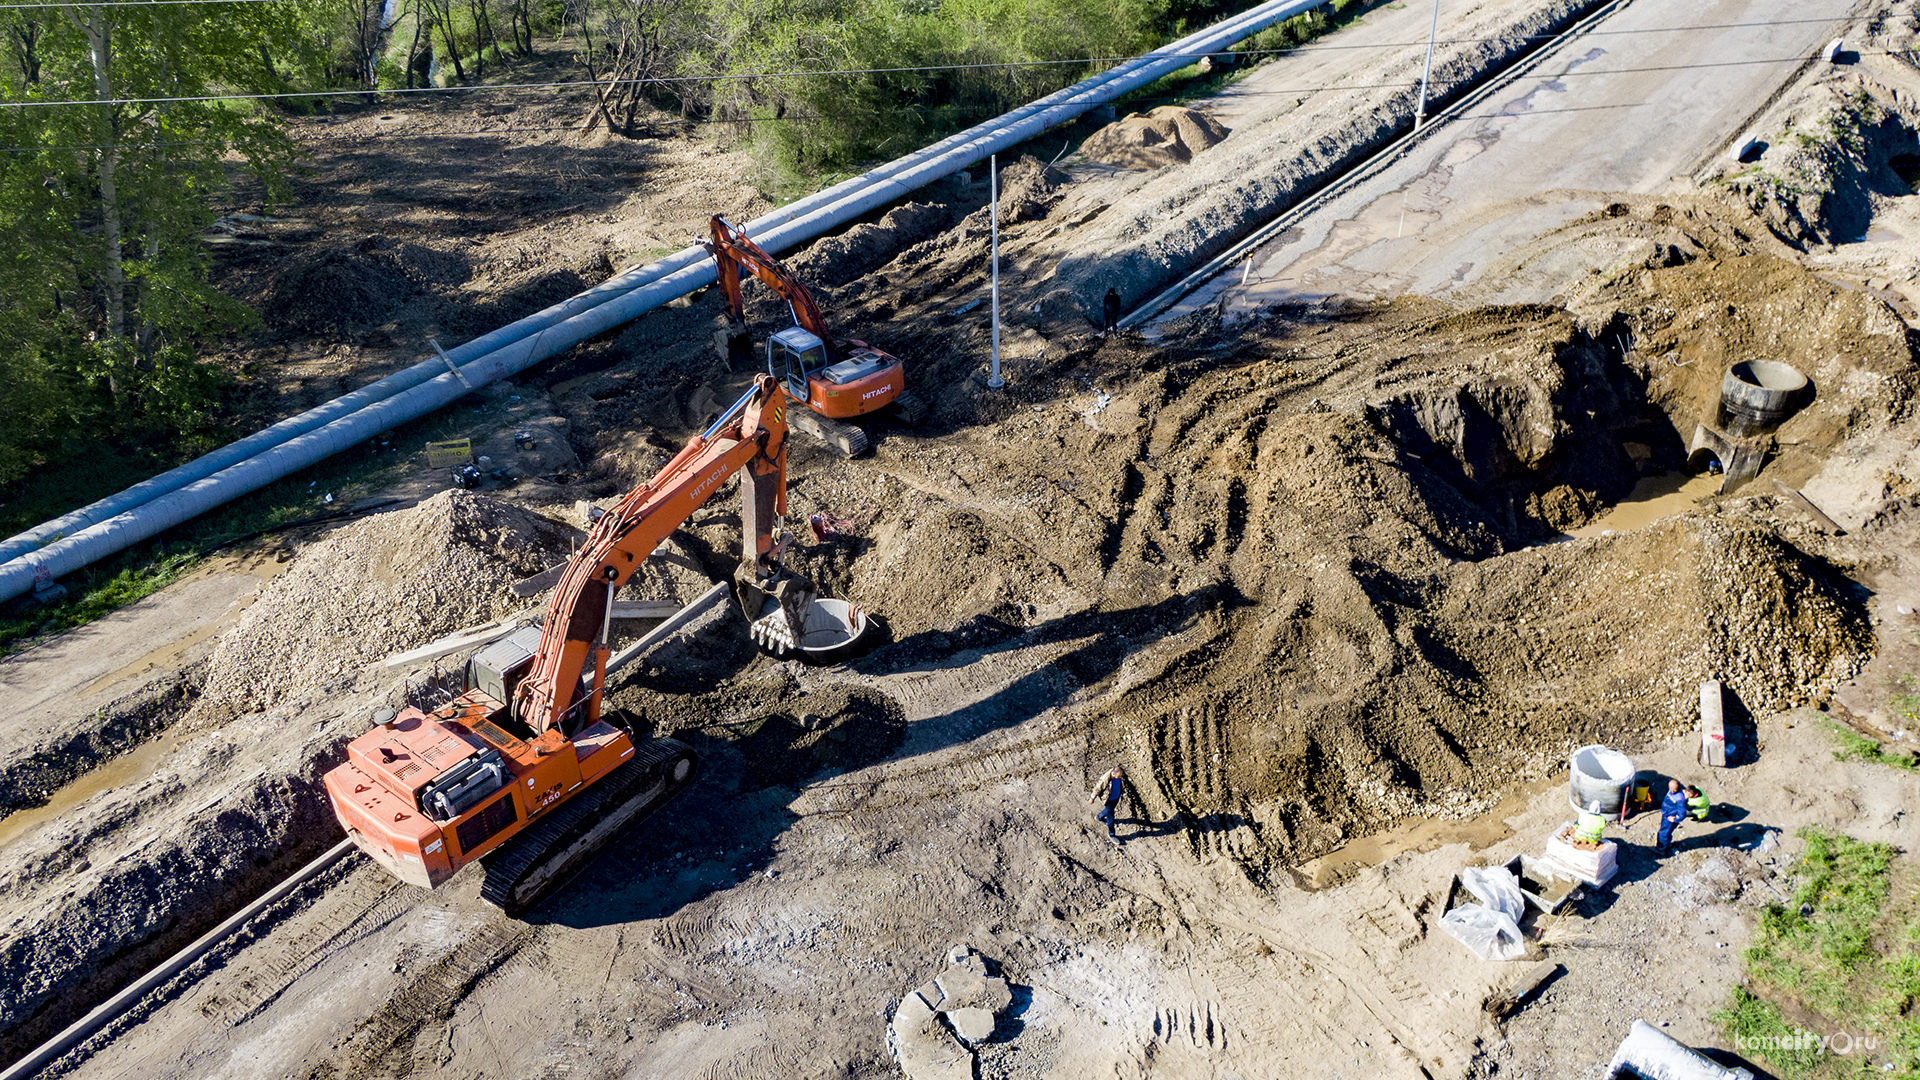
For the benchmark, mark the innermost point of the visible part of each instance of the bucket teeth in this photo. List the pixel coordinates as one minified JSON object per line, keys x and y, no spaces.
{"x":779,"y":630}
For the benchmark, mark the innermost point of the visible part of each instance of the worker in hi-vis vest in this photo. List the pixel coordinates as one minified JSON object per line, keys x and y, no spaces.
{"x":1699,"y":807}
{"x":1591,"y":825}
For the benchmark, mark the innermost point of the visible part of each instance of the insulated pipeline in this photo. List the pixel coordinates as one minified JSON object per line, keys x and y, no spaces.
{"x":59,"y":547}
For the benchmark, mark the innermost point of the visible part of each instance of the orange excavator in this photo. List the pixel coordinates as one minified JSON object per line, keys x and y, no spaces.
{"x":837,"y":379}
{"x":523,"y":772}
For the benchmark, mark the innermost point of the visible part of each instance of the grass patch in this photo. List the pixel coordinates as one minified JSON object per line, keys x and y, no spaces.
{"x":1842,"y":960}
{"x":1853,"y":746}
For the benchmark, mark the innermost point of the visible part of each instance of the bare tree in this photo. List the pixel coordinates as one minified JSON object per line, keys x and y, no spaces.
{"x":442,"y":12}
{"x":637,"y":45}
{"x":520,"y":25}
{"x":482,"y":33}
{"x":420,"y":46}
{"x":365,"y":33}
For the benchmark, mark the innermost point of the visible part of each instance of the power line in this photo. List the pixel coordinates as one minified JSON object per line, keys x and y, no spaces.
{"x":808,"y":117}
{"x":138,"y":3}
{"x":748,"y":76}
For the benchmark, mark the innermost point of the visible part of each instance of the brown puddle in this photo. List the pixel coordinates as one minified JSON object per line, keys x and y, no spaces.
{"x":128,"y":768}
{"x":1653,"y":498}
{"x":1421,"y":834}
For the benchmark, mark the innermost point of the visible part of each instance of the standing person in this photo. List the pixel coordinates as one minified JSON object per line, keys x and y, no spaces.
{"x":1113,"y":787}
{"x":1110,"y":308}
{"x":1673,"y":810}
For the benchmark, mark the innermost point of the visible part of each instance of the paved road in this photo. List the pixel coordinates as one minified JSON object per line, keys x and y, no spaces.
{"x":1629,"y":106}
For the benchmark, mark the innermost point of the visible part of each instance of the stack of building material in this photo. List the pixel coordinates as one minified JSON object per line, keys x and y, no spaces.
{"x":1595,"y":866}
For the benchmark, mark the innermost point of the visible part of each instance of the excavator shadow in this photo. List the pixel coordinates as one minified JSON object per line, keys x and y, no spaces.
{"x":722,"y":831}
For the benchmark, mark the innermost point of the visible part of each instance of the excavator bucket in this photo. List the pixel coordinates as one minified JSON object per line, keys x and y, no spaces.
{"x":779,"y":630}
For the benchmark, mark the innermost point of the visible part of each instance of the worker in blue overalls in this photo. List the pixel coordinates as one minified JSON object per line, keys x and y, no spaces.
{"x":1673,"y":810}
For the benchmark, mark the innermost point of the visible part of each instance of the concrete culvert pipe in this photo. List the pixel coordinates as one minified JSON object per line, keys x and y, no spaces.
{"x":1759,"y":393}
{"x":1599,"y":775}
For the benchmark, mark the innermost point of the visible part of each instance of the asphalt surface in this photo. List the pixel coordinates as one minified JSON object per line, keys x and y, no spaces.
{"x":1634,"y":104}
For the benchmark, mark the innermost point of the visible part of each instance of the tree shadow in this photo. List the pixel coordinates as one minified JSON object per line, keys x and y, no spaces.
{"x":722,"y":831}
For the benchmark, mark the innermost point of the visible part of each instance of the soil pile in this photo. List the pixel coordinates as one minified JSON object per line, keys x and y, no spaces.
{"x":376,"y":587}
{"x":1299,"y":580}
{"x":340,"y":291}
{"x":839,"y":259}
{"x":1169,"y":135}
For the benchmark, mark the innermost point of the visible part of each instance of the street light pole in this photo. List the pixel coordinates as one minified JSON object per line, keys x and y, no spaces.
{"x":994,"y":381}
{"x":1420,"y":113}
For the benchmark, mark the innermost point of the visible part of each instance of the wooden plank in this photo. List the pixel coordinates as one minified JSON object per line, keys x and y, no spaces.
{"x":1821,"y":521}
{"x":540,"y":582}
{"x":1502,"y":1002}
{"x":666,"y":629}
{"x":644,"y":609}
{"x":1713,"y":725}
{"x":460,"y":639}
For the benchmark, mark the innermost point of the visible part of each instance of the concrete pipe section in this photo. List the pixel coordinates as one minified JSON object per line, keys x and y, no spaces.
{"x":1760,"y":393}
{"x":1599,"y":774}
{"x":831,"y":628}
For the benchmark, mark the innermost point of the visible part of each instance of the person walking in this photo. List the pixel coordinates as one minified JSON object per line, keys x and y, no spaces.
{"x":1673,"y":810}
{"x":1110,"y":309}
{"x":1113,"y":787}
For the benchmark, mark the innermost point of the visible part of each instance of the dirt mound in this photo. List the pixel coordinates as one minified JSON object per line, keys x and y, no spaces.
{"x":341,"y":291}
{"x":1297,"y":572}
{"x":376,"y":587}
{"x":428,"y":267}
{"x":1826,"y":190}
{"x":1169,"y":135}
{"x":1028,"y":190}
{"x":863,"y":248}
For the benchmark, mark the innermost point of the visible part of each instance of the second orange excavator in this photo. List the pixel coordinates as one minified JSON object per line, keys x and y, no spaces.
{"x":523,"y":772}
{"x":837,"y":379}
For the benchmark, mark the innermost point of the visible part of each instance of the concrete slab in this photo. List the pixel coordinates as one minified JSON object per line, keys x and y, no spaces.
{"x":960,"y":988}
{"x":973,"y":1024}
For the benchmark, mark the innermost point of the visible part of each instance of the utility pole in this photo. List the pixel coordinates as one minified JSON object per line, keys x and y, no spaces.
{"x":1420,"y":113}
{"x":994,"y":381}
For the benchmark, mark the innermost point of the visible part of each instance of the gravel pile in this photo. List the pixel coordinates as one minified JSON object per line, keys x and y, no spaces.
{"x":377,"y":587}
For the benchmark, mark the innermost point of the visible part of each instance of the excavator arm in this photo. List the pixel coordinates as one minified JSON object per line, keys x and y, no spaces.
{"x":556,"y":693}
{"x":731,"y":250}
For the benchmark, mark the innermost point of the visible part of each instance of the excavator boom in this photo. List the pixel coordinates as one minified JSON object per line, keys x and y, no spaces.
{"x":521,"y":772}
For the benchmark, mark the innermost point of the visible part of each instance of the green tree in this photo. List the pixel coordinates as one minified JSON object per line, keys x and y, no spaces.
{"x":113,"y":153}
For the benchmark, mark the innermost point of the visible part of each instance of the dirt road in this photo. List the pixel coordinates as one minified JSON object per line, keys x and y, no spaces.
{"x":1631,"y":107}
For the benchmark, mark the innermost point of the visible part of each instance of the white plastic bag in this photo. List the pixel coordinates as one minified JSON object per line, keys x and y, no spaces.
{"x":1497,"y":889}
{"x":1492,"y":935}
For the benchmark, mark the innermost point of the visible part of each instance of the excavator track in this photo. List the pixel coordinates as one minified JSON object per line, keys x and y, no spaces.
{"x":549,"y":853}
{"x":910,"y":408}
{"x":849,"y":440}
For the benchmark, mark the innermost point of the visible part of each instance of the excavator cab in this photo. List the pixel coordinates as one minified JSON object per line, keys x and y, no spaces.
{"x":795,"y":355}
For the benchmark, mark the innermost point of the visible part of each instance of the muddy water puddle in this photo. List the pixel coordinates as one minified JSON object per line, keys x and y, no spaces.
{"x":1421,"y":834}
{"x":1653,"y":498}
{"x":129,"y":768}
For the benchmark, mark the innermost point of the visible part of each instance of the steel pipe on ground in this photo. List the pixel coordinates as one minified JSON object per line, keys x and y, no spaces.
{"x":62,"y":546}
